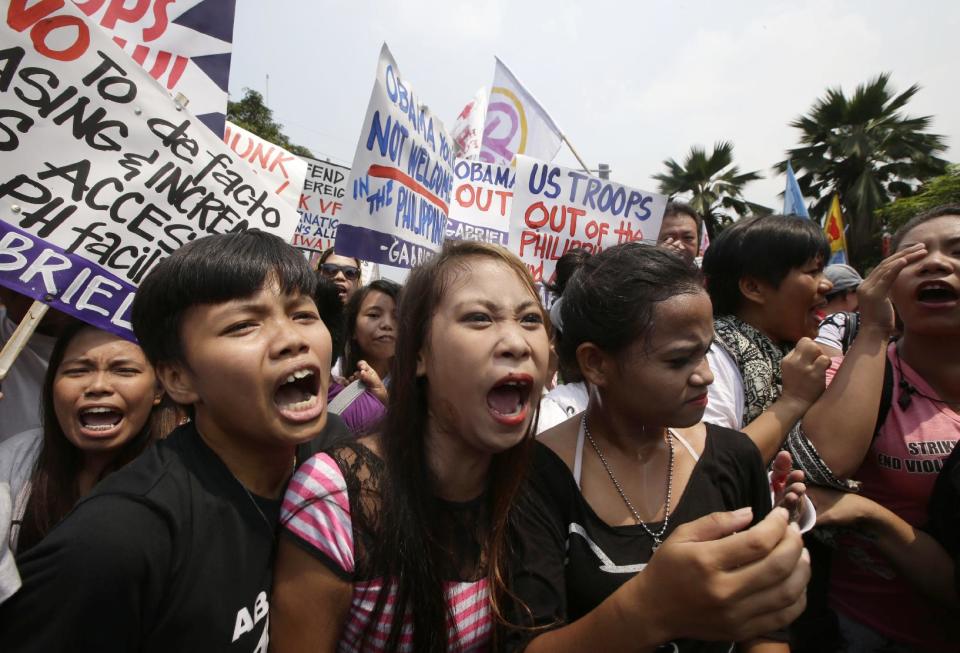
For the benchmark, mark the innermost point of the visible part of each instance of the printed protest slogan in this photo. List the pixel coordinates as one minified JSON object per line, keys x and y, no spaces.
{"x":101,"y":174}
{"x":556,"y":209}
{"x":281,"y":171}
{"x":185,"y":45}
{"x":320,"y":205}
{"x":482,"y":199}
{"x":398,"y":197}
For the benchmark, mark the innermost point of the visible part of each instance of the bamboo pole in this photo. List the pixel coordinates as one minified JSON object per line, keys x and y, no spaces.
{"x":21,"y":336}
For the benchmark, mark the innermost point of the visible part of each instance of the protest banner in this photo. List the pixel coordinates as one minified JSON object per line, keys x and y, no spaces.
{"x":516,"y":123}
{"x":321,"y":202}
{"x":280,"y":170}
{"x":101,"y":173}
{"x":556,"y":209}
{"x":398,"y":197}
{"x":467,"y":130}
{"x":482,"y":198}
{"x":185,"y":45}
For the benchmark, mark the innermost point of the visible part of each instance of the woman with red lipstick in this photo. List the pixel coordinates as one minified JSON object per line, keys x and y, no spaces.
{"x":400,"y":542}
{"x":371,"y":321}
{"x":99,"y":402}
{"x":896,"y":447}
{"x":639,"y":464}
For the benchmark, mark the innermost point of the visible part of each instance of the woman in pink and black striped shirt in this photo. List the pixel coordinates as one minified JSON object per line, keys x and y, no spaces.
{"x":399,"y":542}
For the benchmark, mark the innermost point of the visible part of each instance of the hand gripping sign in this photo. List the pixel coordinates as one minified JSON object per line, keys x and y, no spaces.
{"x":398,"y":197}
{"x":101,"y":174}
{"x":556,"y":209}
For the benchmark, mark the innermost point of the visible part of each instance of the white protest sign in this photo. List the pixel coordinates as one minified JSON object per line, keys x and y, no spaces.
{"x":398,"y":197}
{"x":482,"y":198}
{"x":321,"y":202}
{"x":556,"y":209}
{"x":101,"y":174}
{"x":281,"y":171}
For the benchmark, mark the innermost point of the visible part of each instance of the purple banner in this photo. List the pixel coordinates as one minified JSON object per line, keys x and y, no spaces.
{"x":66,"y":282}
{"x":379,"y":247}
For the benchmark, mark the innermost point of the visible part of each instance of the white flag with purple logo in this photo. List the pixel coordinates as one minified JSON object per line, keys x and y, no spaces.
{"x":516,"y":123}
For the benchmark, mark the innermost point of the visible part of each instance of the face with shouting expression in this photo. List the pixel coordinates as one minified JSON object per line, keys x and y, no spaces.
{"x":485,"y":358}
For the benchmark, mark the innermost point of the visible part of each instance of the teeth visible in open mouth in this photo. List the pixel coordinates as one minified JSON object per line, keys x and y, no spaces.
{"x":100,"y":418}
{"x":299,"y":374}
{"x":508,"y":402}
{"x":298,"y":391}
{"x":301,"y":405}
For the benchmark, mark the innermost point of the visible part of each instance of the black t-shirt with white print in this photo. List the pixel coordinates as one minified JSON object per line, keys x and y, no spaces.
{"x":169,"y":553}
{"x":568,"y":560}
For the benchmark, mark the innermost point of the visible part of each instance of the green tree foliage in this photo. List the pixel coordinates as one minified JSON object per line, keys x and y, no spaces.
{"x":710,"y":183}
{"x":255,"y":116}
{"x":944,"y":189}
{"x":866,"y":149}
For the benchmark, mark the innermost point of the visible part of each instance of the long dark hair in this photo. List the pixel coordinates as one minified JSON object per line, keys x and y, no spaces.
{"x":55,"y":489}
{"x":407,"y":547}
{"x":353,"y":353}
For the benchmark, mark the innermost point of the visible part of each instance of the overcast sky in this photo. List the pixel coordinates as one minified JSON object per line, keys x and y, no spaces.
{"x":630,"y":83}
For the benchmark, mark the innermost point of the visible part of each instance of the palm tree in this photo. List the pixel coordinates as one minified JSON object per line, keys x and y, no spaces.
{"x":714,"y":185}
{"x":864,"y":148}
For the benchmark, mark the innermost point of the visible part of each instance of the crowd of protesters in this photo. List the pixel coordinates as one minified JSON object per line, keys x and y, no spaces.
{"x":737,"y":449}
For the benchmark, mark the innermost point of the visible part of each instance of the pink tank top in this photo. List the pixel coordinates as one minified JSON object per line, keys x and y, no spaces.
{"x":898,"y":473}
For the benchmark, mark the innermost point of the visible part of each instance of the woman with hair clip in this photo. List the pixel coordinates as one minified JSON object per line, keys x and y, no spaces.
{"x":640,"y":464}
{"x":371,"y":341}
{"x":889,"y":419}
{"x":399,"y":542}
{"x":100,"y":407}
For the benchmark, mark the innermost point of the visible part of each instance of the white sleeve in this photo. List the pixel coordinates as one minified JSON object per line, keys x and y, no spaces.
{"x":831,"y":333}
{"x":725,"y":394}
{"x":551,"y":414}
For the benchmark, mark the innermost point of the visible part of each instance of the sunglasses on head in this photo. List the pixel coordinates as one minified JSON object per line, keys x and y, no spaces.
{"x":351,"y":272}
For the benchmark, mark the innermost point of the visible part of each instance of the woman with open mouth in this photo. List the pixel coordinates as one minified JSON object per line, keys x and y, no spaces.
{"x":344,"y":271}
{"x":765,"y":279}
{"x":101,"y":408}
{"x":400,"y":541}
{"x":890,"y":419}
{"x":371,"y":324}
{"x":639,"y":464}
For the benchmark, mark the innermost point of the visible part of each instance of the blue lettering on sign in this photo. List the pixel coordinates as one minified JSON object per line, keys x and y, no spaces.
{"x":487,"y":173}
{"x":402,"y":97}
{"x":607,"y":197}
{"x":389,"y":137}
{"x":548,"y":176}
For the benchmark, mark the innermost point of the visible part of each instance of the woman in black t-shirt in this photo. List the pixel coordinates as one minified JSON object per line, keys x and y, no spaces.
{"x":614,"y":483}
